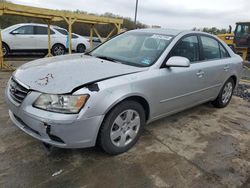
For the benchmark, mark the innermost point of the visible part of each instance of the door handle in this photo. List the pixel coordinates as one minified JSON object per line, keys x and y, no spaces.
{"x":226,"y":68}
{"x":200,"y":74}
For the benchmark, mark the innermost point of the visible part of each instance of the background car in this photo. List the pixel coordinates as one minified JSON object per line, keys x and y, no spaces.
{"x":79,"y":43}
{"x":96,"y":41}
{"x":30,"y":37}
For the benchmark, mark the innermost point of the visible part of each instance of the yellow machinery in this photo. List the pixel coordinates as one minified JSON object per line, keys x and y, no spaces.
{"x":228,"y":38}
{"x":239,"y":41}
{"x":56,"y":15}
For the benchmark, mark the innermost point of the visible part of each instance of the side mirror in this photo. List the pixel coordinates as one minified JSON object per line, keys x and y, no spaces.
{"x":177,"y":61}
{"x":14,"y":32}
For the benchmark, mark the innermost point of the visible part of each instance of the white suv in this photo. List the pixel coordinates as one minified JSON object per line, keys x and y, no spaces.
{"x":30,"y":37}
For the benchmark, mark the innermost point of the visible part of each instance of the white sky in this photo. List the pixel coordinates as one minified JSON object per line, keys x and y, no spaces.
{"x":179,"y":14}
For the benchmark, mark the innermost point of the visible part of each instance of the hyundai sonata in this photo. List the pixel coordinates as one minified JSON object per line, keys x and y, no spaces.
{"x":106,"y":96}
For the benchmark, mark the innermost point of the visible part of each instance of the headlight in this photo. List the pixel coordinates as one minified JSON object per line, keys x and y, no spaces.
{"x":69,"y":104}
{"x":229,"y":38}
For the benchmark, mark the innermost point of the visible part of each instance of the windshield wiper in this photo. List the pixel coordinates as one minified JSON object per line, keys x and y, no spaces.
{"x":106,"y":58}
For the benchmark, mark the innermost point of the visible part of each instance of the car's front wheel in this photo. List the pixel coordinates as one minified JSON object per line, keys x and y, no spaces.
{"x":58,"y":49}
{"x":122,"y":127}
{"x":225,"y":94}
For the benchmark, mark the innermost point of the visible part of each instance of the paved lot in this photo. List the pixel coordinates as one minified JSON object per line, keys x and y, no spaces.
{"x":201,"y":147}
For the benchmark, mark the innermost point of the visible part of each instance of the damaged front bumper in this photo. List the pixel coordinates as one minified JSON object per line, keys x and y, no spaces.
{"x":60,"y":130}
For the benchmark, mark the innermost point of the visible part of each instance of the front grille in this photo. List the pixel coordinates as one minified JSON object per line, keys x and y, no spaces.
{"x":17,"y":91}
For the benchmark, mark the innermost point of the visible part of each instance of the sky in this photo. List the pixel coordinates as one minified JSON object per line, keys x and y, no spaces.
{"x":177,"y":14}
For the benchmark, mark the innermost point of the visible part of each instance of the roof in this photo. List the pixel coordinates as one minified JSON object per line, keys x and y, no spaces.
{"x":33,"y":24}
{"x":173,"y":32}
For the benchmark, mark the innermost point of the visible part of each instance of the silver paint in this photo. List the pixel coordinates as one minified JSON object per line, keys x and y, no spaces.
{"x":165,"y":90}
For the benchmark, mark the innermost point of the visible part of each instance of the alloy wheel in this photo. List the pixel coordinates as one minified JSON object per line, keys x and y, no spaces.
{"x":227,"y":92}
{"x":58,"y":50}
{"x":125,"y":128}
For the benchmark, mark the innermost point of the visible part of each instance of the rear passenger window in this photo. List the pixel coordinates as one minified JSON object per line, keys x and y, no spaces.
{"x":42,"y":30}
{"x":211,"y":49}
{"x":223,"y":52}
{"x":187,"y":47}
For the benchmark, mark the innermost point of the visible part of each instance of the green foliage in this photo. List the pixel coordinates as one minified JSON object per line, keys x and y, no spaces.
{"x":212,"y":30}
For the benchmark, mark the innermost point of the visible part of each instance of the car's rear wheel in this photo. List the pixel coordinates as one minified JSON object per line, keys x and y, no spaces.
{"x":81,"y":48}
{"x":122,"y":127}
{"x":225,"y":94}
{"x":58,"y":49}
{"x":5,"y":50}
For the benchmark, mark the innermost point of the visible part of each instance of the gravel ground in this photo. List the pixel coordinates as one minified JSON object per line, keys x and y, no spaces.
{"x":200,"y":147}
{"x":243,"y":91}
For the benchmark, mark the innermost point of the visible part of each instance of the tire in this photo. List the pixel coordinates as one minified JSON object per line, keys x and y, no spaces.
{"x":225,"y":94}
{"x":116,"y":123}
{"x":5,"y":50}
{"x":58,"y":49}
{"x":81,"y":48}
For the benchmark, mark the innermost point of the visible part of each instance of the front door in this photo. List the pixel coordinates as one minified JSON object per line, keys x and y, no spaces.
{"x":23,"y":38}
{"x":182,"y":87}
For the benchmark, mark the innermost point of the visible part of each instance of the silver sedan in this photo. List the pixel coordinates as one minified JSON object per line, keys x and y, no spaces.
{"x":106,"y":96}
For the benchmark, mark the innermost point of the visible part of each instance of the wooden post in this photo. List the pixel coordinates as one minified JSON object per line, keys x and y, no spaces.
{"x":70,"y":22}
{"x":98,"y":35}
{"x":91,"y":36}
{"x":70,"y":35}
{"x":1,"y":52}
{"x":49,"y":39}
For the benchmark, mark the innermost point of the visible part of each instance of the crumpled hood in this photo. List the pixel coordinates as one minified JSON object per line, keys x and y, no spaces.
{"x":58,"y":75}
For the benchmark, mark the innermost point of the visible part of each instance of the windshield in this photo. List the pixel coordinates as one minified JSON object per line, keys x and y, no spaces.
{"x":242,"y":29}
{"x":134,"y":48}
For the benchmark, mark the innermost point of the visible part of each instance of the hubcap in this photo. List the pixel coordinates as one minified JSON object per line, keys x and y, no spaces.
{"x":125,"y":128}
{"x":58,"y":50}
{"x":4,"y":50}
{"x":227,"y":92}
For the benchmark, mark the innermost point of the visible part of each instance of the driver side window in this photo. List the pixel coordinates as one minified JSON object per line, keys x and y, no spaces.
{"x":187,"y":47}
{"x":25,"y":30}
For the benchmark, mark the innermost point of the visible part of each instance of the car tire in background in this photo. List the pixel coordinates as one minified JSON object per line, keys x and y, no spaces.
{"x":225,"y":94}
{"x":81,"y":48}
{"x":122,"y":127}
{"x":5,"y":49}
{"x":58,"y":49}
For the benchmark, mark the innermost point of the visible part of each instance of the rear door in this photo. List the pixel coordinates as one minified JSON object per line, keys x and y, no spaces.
{"x":23,"y":38}
{"x":41,"y":34}
{"x":215,"y":65}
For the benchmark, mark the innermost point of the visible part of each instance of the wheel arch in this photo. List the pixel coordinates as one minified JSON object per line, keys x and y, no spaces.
{"x":234,"y":79}
{"x":81,"y":44}
{"x":58,"y":43}
{"x":137,"y":98}
{"x":6,"y":44}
